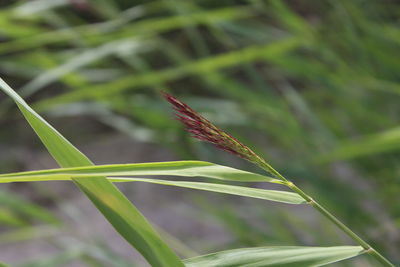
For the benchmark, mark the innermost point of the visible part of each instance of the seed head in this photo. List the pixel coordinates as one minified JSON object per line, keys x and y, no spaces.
{"x":204,"y":130}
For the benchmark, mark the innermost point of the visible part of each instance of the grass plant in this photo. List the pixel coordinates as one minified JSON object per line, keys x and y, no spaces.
{"x":312,"y":85}
{"x":96,"y":183}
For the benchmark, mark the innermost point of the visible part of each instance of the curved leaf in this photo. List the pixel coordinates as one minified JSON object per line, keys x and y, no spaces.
{"x":276,"y":256}
{"x":273,"y":195}
{"x":176,"y":168}
{"x":377,"y":143}
{"x":119,"y":211}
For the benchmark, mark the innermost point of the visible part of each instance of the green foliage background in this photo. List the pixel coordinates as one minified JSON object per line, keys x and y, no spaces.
{"x":311,"y":85}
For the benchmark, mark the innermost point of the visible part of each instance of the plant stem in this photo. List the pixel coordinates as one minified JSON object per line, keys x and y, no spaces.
{"x":368,"y":249}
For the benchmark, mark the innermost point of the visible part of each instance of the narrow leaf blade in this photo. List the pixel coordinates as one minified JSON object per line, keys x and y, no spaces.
{"x":273,"y":195}
{"x":119,"y":211}
{"x":276,"y":256}
{"x":176,"y":168}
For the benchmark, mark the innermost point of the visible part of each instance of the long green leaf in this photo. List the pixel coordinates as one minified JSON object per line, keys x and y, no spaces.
{"x":119,"y":211}
{"x":177,"y":168}
{"x":95,"y":33}
{"x":275,"y":256}
{"x":383,"y":142}
{"x":273,"y":195}
{"x":28,"y":209}
{"x":203,"y":66}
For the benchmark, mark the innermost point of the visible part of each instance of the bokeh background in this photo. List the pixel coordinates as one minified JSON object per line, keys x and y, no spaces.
{"x":314,"y":86}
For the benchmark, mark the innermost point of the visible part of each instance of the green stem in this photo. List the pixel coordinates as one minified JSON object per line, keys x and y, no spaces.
{"x":368,"y":249}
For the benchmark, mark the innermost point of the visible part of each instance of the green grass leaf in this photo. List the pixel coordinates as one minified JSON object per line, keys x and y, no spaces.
{"x":27,"y":209}
{"x":97,"y":34}
{"x":275,"y":256}
{"x":383,"y":142}
{"x":273,"y":195}
{"x":204,"y":66}
{"x":177,"y":168}
{"x":119,"y":211}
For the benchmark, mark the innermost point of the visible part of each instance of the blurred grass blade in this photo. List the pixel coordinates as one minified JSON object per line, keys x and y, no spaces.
{"x":373,"y":144}
{"x":32,"y":7}
{"x":98,"y":33}
{"x":275,"y":256}
{"x":119,"y":211}
{"x":28,"y":233}
{"x":176,"y":168}
{"x":27,"y":209}
{"x":76,"y":62}
{"x":200,"y":67}
{"x":296,"y":23}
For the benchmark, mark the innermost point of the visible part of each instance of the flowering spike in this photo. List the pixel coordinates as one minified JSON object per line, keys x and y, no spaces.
{"x":204,"y":130}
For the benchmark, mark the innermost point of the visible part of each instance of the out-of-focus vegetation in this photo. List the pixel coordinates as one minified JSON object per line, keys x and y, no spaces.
{"x":313,"y":85}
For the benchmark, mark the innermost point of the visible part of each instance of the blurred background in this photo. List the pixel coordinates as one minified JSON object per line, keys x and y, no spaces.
{"x":313,"y":86}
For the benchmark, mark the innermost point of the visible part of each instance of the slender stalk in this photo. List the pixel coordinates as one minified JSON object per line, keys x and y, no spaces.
{"x":368,"y":249}
{"x":204,"y":130}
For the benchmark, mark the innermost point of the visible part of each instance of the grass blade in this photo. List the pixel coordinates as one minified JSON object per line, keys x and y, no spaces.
{"x":373,"y":144}
{"x":200,"y":67}
{"x":28,"y":210}
{"x":273,"y":195}
{"x":176,"y":168}
{"x":275,"y":256}
{"x":119,"y":211}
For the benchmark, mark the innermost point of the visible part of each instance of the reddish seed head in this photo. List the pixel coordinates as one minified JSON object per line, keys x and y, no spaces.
{"x":204,"y":130}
